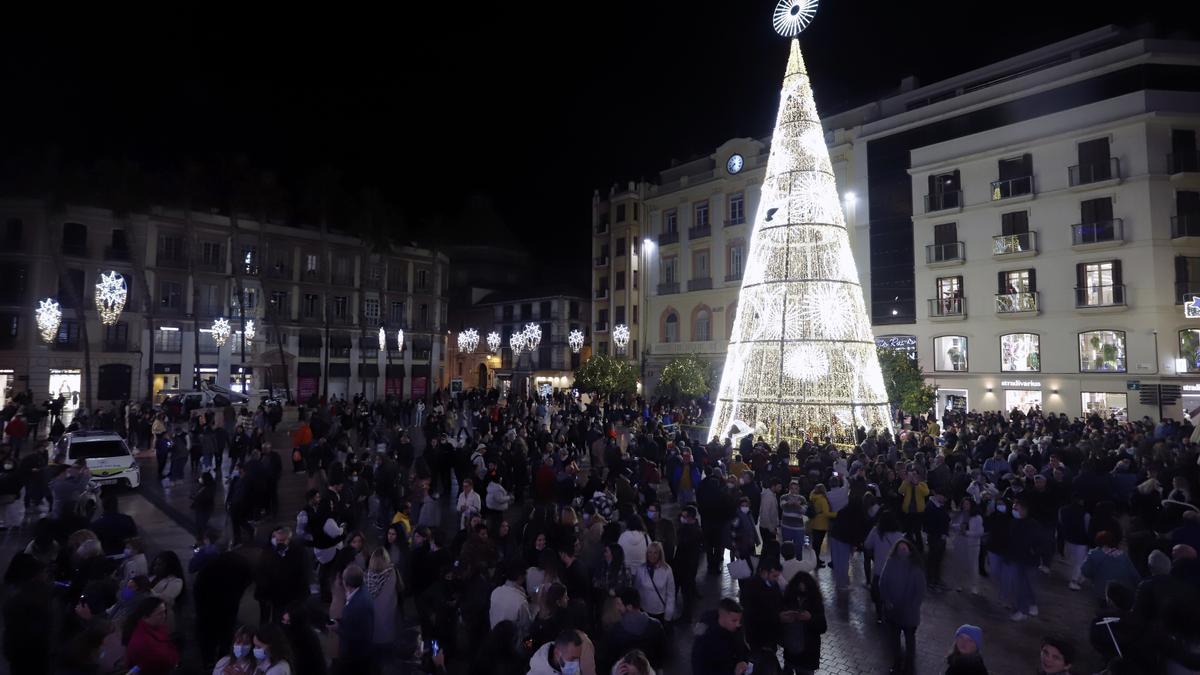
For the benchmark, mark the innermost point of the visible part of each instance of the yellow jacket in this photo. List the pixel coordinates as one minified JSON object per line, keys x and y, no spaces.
{"x":908,"y":490}
{"x":824,"y":514}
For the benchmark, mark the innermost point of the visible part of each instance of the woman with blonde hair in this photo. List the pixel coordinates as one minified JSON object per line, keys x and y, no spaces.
{"x":655,"y":583}
{"x":381,"y":584}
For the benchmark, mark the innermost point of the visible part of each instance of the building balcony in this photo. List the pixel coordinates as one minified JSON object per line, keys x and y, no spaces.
{"x":668,"y":238}
{"x":733,"y":277}
{"x":118,"y":253}
{"x":945,"y":255}
{"x":78,"y":249}
{"x":1021,"y":245}
{"x":344,"y":279}
{"x":731,"y":222}
{"x":947,"y":309}
{"x":175,"y":262}
{"x":279,"y":271}
{"x":1011,"y":188}
{"x":699,"y":284}
{"x":1100,"y":296}
{"x":601,"y":228}
{"x":1183,"y":162}
{"x":1186,"y":290}
{"x":211,"y":266}
{"x":1095,"y":173}
{"x":1100,"y":234}
{"x":601,"y":261}
{"x":943,"y":201}
{"x":601,"y":294}
{"x":601,"y":327}
{"x":1185,"y":228}
{"x":1026,"y":302}
{"x":700,"y":231}
{"x":668,"y":288}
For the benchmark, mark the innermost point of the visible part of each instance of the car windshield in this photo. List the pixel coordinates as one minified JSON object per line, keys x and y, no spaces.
{"x":98,"y":450}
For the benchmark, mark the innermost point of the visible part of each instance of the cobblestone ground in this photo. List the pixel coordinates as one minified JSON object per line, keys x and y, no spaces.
{"x":853,"y":644}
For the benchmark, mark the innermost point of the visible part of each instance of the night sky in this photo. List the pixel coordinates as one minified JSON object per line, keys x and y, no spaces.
{"x":532,"y":104}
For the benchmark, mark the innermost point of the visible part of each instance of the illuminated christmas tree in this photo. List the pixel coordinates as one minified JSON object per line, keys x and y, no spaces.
{"x":801,"y":360}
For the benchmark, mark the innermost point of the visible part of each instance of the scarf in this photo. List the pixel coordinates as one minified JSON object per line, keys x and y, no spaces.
{"x":376,"y":580}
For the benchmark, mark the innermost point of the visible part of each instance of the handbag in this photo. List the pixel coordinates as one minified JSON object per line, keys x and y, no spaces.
{"x":739,"y":569}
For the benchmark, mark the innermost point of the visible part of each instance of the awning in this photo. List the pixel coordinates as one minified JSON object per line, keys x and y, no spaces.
{"x":339,"y":370}
{"x":395,"y":370}
{"x":339,"y":341}
{"x":304,"y":369}
{"x":368,"y":370}
{"x":310,"y":340}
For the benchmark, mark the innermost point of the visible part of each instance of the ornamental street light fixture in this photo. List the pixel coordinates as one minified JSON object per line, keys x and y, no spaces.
{"x":533,"y":336}
{"x":620,"y":337}
{"x":468,"y":340}
{"x":493,"y":341}
{"x":111,"y":294}
{"x":575,"y":340}
{"x":220,"y":331}
{"x":49,"y":318}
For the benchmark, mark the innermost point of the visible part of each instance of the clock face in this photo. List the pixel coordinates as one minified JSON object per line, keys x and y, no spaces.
{"x":734,"y":164}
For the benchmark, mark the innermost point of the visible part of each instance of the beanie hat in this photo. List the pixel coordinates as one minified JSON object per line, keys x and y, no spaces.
{"x":973,"y":632}
{"x":1159,"y":563}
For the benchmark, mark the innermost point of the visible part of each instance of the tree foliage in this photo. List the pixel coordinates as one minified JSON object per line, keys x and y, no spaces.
{"x":606,"y":376}
{"x":905,"y":384}
{"x":685,"y":376}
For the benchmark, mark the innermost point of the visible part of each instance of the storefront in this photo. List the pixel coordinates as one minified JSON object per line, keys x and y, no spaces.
{"x":240,"y":379}
{"x":166,"y":376}
{"x":368,"y":376}
{"x":951,"y":399}
{"x":308,"y":381}
{"x":1105,"y":404}
{"x":7,"y":380}
{"x":339,"y":381}
{"x":393,"y":383}
{"x":1021,"y":395}
{"x":420,"y":381}
{"x":69,"y":383}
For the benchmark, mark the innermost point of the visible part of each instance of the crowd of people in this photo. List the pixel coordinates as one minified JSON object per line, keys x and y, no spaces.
{"x":532,"y":536}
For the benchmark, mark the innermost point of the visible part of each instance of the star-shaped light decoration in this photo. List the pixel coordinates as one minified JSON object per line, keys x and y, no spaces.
{"x":575,"y":340}
{"x":533,"y":336}
{"x":468,"y":340}
{"x":49,"y":318}
{"x":250,"y":329}
{"x":400,"y":340}
{"x":620,"y":336}
{"x":382,"y":339}
{"x":493,"y":341}
{"x":111,"y":294}
{"x":516,"y":342}
{"x":1191,"y":309}
{"x":221,"y":331}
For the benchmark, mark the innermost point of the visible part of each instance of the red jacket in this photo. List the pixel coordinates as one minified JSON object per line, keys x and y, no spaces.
{"x":17,"y":428}
{"x":150,"y":648}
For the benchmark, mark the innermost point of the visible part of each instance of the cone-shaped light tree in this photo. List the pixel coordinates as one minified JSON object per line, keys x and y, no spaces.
{"x":801,"y":360}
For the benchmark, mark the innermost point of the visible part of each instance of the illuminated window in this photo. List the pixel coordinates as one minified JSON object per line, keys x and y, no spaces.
{"x":950,"y":353}
{"x":1102,"y":351}
{"x":1020,"y":353}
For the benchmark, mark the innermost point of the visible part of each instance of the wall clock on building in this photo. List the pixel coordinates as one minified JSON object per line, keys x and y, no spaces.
{"x":735,"y":163}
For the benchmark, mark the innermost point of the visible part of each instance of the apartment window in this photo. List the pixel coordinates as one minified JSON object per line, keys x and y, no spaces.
{"x":170,"y":247}
{"x":422,"y":279}
{"x":1187,"y":278}
{"x":1017,"y":281}
{"x":945,"y":192}
{"x":619,"y":314}
{"x":279,"y":304}
{"x":1094,"y":164}
{"x":671,"y":327}
{"x":1189,"y":348}
{"x":374,"y":272}
{"x":620,"y":285}
{"x":397,"y":276}
{"x":310,"y":306}
{"x":210,"y":254}
{"x":1014,"y":223}
{"x":1016,"y":177}
{"x":311,"y":263}
{"x":544,"y":310}
{"x":396,"y":314}
{"x":602,"y":286}
{"x":669,"y":275}
{"x":601,"y":317}
{"x":208,"y":345}
{"x":1020,"y":353}
{"x":635,"y":280}
{"x":371,"y":310}
{"x":14,"y":232}
{"x":170,"y":294}
{"x":1108,"y":405}
{"x":950,"y":296}
{"x":620,"y":213}
{"x":507,"y":312}
{"x":10,"y":324}
{"x":341,"y":270}
{"x":423,"y":316}
{"x":701,"y":212}
{"x":945,"y":243}
{"x":702,"y":325}
{"x":68,"y":334}
{"x":950,"y":353}
{"x":636,"y":210}
{"x":603,"y":348}
{"x":736,"y":253}
{"x":621,"y":246}
{"x":671,"y":221}
{"x":250,"y":295}
{"x":12,"y":284}
{"x":635,"y":315}
{"x":341,"y":308}
{"x":250,"y":259}
{"x":168,"y":340}
{"x":527,"y":307}
{"x":573,"y":310}
{"x":1102,"y":351}
{"x":74,"y":239}
{"x":1099,"y":284}
{"x":700,"y":265}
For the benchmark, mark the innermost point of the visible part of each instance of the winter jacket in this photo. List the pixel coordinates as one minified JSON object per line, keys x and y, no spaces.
{"x":716,"y":651}
{"x":656,"y":588}
{"x":902,"y":590}
{"x":880,"y":545}
{"x":768,"y":511}
{"x":634,"y":544}
{"x":498,"y":498}
{"x":150,"y":649}
{"x":1105,"y":565}
{"x":909,"y":492}
{"x":509,"y":603}
{"x":824,"y":514}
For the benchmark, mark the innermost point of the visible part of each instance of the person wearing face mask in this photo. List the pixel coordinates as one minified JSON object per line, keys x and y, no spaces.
{"x":688,"y":551}
{"x":762,"y":597}
{"x":134,"y":562}
{"x":218,"y":588}
{"x":745,"y":532}
{"x":560,"y":657}
{"x":271,"y":651}
{"x":1023,"y":553}
{"x":661,"y":530}
{"x":902,"y":591}
{"x":282,"y":576}
{"x":240,"y":659}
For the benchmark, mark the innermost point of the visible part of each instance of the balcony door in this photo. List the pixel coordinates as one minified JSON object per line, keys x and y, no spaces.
{"x":950,"y":295}
{"x":1100,"y":283}
{"x":1093,"y":160}
{"x":945,"y":242}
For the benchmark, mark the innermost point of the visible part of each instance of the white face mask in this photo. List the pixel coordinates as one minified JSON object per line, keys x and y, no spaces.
{"x":240,"y":651}
{"x":745,"y":509}
{"x":260,"y":654}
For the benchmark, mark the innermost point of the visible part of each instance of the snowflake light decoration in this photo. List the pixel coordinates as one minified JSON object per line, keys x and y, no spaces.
{"x":111,"y":294}
{"x":575,"y":340}
{"x":221,"y":331}
{"x":400,"y":340}
{"x":620,"y":336}
{"x":533,"y":336}
{"x":516,"y":342}
{"x":493,"y":341}
{"x":793,"y":16}
{"x":382,"y":339}
{"x":250,"y":329}
{"x":468,"y":340}
{"x":49,"y":318}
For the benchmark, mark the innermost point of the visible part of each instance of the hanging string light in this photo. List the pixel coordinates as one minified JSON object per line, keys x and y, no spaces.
{"x":111,"y":294}
{"x":382,"y":339}
{"x":250,"y":330}
{"x":49,"y":318}
{"x":533,"y":336}
{"x":468,"y":340}
{"x":575,"y":340}
{"x":516,"y":342}
{"x":620,"y":336}
{"x":221,"y":331}
{"x":493,"y":341}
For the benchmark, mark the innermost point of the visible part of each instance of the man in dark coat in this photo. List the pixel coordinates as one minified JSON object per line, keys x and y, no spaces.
{"x":281,"y":577}
{"x":762,"y":599}
{"x":113,"y":527}
{"x":720,"y":644}
{"x":219,"y":587}
{"x":356,"y":628}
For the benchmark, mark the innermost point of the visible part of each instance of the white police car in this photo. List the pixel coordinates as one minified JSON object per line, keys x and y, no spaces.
{"x":108,"y":457}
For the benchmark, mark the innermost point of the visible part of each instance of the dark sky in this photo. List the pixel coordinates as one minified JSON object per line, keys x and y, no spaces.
{"x":532,"y":103}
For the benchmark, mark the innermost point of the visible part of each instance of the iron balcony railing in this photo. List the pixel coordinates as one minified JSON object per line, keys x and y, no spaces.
{"x":1186,"y":290}
{"x":940,"y":201}
{"x":1012,"y":187}
{"x":116,"y":253}
{"x":1005,"y":244}
{"x":1098,"y":232}
{"x":668,"y":238}
{"x":601,"y":326}
{"x":1024,"y":301}
{"x":954,"y":251}
{"x":699,"y":231}
{"x":949,"y":306}
{"x":1185,"y":225}
{"x":602,"y":261}
{"x":1184,"y":161}
{"x":702,"y":284}
{"x":1100,"y":295}
{"x":668,"y":288}
{"x":1094,"y":172}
